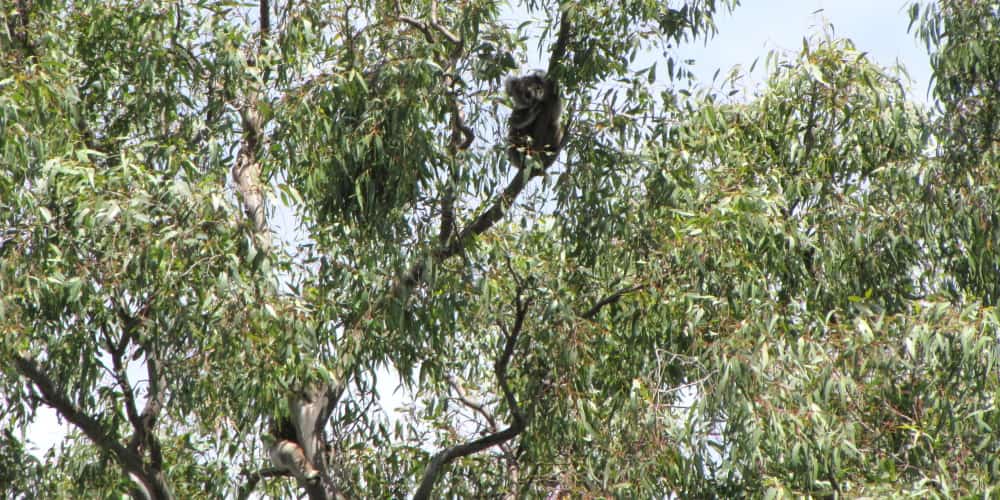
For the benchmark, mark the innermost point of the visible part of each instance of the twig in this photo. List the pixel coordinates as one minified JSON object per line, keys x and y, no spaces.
{"x":610,"y":299}
{"x":476,"y":406}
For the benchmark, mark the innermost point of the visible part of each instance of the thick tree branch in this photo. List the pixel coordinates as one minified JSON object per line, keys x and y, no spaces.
{"x":446,"y":456}
{"x":312,"y":409}
{"x":129,"y":324}
{"x":29,"y":369}
{"x":447,"y":228}
{"x":156,"y":397}
{"x":415,"y":273}
{"x":265,"y":19}
{"x":152,"y":482}
{"x":144,"y":423}
{"x":116,"y":351}
{"x":462,"y":135}
{"x":418,"y":25}
{"x":494,"y":213}
{"x":441,"y":29}
{"x":246,"y":171}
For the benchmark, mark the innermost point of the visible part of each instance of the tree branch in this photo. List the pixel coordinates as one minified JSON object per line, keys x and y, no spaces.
{"x":441,"y":29}
{"x":29,"y":369}
{"x":487,"y":219}
{"x":151,"y":482}
{"x":311,"y":410}
{"x":157,"y":395}
{"x":446,"y":456}
{"x":265,"y":19}
{"x":476,"y":406}
{"x":559,"y":49}
{"x":610,"y":299}
{"x":462,"y":135}
{"x":140,"y":429}
{"x":254,"y":477}
{"x":246,"y":169}
{"x":419,"y":26}
{"x":414,"y":275}
{"x":116,"y":351}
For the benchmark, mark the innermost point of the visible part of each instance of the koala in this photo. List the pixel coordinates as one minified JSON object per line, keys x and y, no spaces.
{"x":534,"y":128}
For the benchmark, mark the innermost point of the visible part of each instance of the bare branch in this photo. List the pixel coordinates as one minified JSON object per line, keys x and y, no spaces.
{"x":446,"y":456}
{"x":265,"y":19}
{"x":128,"y":394}
{"x":310,"y":410}
{"x":461,"y":134}
{"x":157,"y":395}
{"x":419,"y":26}
{"x":254,"y":477}
{"x":508,"y":352}
{"x":447,"y":216}
{"x":151,"y":481}
{"x":116,"y":351}
{"x":246,"y":171}
{"x":441,"y":29}
{"x":414,"y":275}
{"x":476,"y":406}
{"x":29,"y":369}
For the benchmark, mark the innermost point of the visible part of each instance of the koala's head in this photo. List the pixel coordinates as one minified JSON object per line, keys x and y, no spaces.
{"x":526,"y":91}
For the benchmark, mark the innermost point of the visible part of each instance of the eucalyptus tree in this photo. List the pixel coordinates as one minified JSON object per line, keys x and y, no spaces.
{"x":146,"y":300}
{"x":707,"y":294}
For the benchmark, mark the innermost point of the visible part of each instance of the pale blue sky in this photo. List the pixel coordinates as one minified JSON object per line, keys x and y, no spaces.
{"x":878,"y":27}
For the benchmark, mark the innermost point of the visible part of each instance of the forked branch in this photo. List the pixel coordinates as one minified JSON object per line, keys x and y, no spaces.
{"x":446,"y":456}
{"x":150,"y":480}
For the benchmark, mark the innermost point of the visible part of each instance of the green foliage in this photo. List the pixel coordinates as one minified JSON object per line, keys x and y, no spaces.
{"x":782,"y":294}
{"x":965,"y":51}
{"x":362,"y":147}
{"x":19,"y":470}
